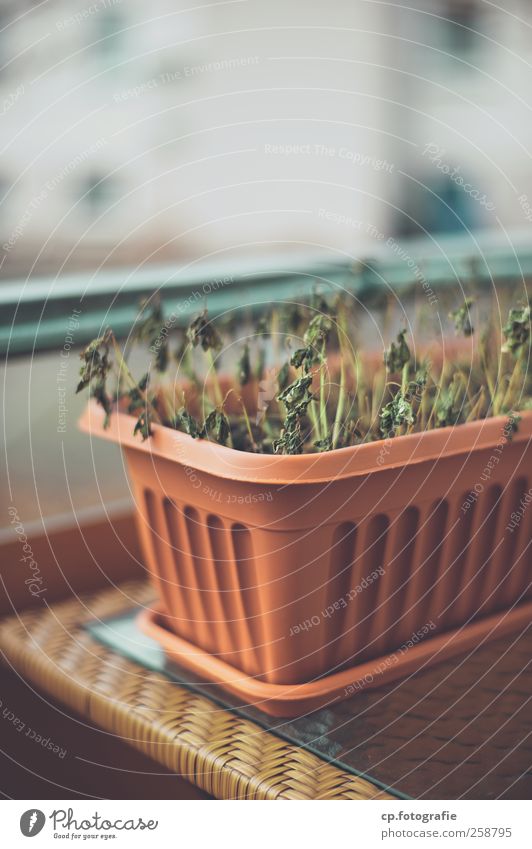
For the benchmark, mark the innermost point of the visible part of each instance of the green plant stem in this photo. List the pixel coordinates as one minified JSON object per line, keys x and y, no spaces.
{"x":424,"y":405}
{"x":124,"y":370}
{"x":478,"y":405}
{"x":282,"y":410}
{"x":404,"y":377}
{"x":323,"y":400}
{"x":433,"y":408}
{"x":466,"y":382}
{"x":169,"y":402}
{"x":342,"y":394}
{"x":502,"y":388}
{"x":513,"y":386}
{"x":360,"y":390}
{"x":340,"y":406}
{"x":486,"y":370}
{"x":313,"y":416}
{"x":248,"y":424}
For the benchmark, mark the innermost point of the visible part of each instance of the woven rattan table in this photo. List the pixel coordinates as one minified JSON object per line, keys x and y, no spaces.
{"x":226,"y":755}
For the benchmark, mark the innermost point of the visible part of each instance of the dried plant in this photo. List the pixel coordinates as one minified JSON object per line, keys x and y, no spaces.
{"x":326,"y":394}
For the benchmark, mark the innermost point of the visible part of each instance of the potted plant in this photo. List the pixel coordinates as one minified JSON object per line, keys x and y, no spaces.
{"x":328,"y":518}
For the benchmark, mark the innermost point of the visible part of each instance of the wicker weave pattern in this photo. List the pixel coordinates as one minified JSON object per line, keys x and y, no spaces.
{"x":228,"y":757}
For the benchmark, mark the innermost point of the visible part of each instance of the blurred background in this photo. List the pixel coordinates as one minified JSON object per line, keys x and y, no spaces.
{"x":136,"y":132}
{"x":164,"y":145}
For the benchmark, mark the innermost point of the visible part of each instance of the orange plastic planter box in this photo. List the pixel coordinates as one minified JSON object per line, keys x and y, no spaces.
{"x":296,"y":580}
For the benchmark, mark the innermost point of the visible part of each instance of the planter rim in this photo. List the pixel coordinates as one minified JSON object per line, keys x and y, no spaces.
{"x":356,"y":460}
